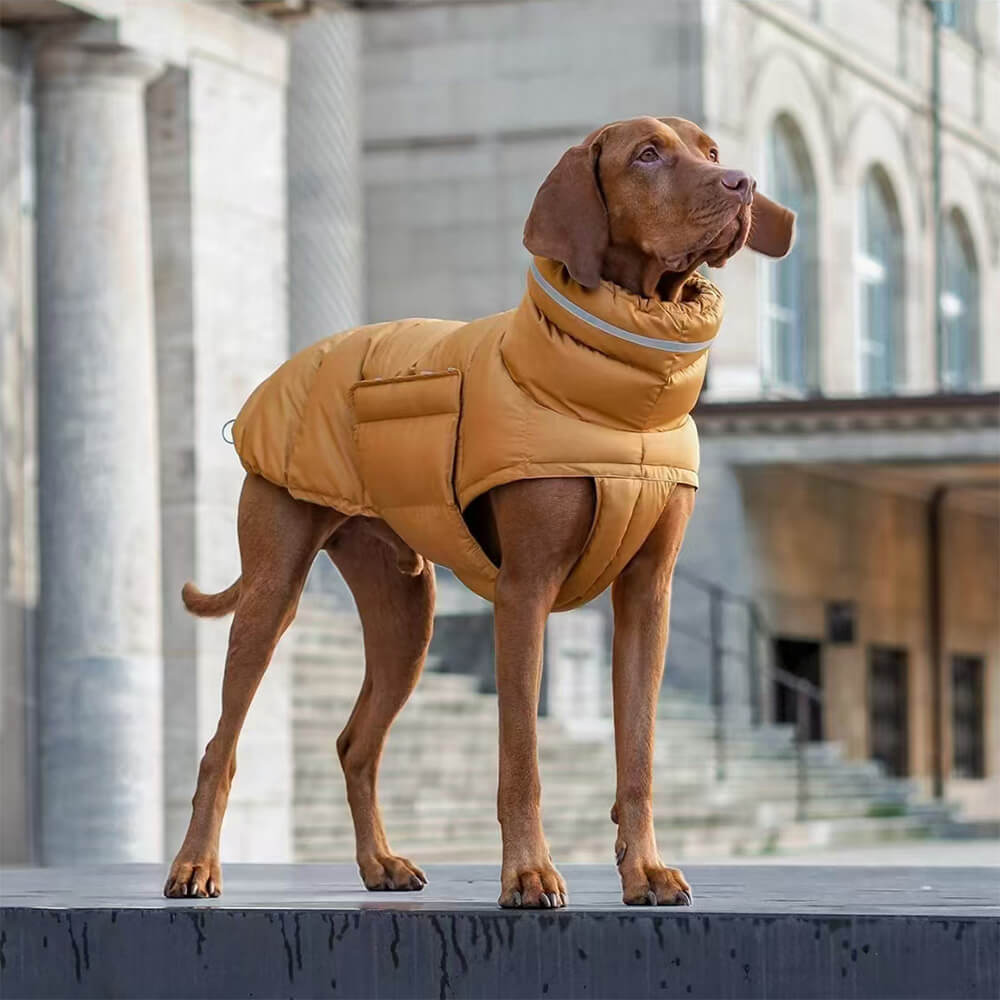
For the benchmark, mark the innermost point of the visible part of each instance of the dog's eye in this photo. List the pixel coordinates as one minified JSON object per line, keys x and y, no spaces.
{"x":648,"y":155}
{"x":713,"y":155}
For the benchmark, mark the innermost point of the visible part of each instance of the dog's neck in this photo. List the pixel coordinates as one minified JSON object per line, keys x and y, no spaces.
{"x":641,"y":274}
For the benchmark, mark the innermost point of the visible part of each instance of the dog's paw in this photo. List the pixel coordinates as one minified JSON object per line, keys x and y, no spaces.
{"x":389,"y":873}
{"x":538,"y":887}
{"x":194,"y":877}
{"x":654,"y":885}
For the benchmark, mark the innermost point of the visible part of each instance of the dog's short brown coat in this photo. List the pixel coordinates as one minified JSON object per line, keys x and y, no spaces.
{"x":640,"y":203}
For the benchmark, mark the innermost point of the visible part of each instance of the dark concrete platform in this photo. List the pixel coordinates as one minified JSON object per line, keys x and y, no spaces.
{"x":311,"y":931}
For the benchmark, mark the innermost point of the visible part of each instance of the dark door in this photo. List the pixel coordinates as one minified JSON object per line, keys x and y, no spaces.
{"x":887,"y":706}
{"x":801,"y":658}
{"x":968,"y":752}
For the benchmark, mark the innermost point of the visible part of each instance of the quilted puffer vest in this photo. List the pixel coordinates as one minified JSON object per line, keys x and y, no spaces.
{"x":412,"y":420}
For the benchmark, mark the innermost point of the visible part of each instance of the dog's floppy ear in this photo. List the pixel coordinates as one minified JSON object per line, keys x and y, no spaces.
{"x":568,"y":221}
{"x":772,"y":227}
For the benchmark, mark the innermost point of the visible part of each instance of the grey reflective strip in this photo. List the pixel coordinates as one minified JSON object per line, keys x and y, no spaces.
{"x":673,"y":346}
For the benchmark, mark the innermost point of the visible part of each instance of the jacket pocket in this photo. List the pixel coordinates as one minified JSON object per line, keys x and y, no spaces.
{"x":407,"y":435}
{"x":406,"y":430}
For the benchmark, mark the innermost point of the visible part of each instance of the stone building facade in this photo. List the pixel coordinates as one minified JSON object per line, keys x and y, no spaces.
{"x":190,"y":191}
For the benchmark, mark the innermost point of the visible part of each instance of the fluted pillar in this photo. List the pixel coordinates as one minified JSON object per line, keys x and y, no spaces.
{"x":100,"y":663}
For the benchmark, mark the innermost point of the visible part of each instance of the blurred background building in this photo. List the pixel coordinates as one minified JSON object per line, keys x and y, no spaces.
{"x":191,"y":191}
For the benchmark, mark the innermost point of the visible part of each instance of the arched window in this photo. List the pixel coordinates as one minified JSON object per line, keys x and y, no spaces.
{"x":880,"y":274}
{"x":791,"y":306}
{"x":959,"y":305}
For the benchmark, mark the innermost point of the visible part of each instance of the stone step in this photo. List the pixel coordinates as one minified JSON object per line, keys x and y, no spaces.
{"x":447,"y":799}
{"x":465,"y":751}
{"x":483,"y":844}
{"x":431,"y":773}
{"x":418,"y":734}
{"x":458,"y":689}
{"x":464,"y":747}
{"x":424,"y":782}
{"x":430,"y":780}
{"x":323,"y":787}
{"x":438,"y":781}
{"x":569,"y":826}
{"x":321,"y":700}
{"x":323,"y":707}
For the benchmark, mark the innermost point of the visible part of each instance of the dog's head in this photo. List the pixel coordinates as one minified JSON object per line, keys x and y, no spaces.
{"x":646,"y":200}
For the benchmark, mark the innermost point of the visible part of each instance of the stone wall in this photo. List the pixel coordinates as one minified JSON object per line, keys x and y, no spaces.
{"x":18,"y":544}
{"x":467,"y":107}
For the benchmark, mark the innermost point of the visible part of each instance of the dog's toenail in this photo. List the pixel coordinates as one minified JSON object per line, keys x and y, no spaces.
{"x":517,"y":899}
{"x":651,"y":898}
{"x":620,"y":854}
{"x":684,"y":898}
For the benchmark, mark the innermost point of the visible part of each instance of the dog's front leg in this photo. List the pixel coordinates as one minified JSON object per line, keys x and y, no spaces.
{"x":641,"y":599}
{"x":541,"y":526}
{"x":528,"y":878}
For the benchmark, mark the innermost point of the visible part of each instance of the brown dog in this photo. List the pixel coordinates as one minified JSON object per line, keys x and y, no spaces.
{"x":640,"y":203}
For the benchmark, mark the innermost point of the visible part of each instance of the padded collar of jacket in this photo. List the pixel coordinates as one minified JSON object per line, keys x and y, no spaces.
{"x":648,"y":333}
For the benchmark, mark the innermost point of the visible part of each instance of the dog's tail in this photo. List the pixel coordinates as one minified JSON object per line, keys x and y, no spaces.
{"x":210,"y":605}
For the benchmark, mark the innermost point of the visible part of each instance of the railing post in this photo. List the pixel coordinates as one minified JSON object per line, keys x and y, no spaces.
{"x":801,"y":743}
{"x":753,"y":665}
{"x":715,"y":598}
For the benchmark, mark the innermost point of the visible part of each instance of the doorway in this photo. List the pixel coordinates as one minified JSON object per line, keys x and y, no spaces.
{"x":888,"y":708}
{"x":967,"y":717}
{"x":801,"y":658}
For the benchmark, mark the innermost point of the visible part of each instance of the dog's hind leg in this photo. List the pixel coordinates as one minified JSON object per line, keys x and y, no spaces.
{"x":279,"y":538}
{"x":396,"y":610}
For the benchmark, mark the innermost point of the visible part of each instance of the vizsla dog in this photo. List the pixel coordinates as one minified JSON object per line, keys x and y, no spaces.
{"x":623,"y":221}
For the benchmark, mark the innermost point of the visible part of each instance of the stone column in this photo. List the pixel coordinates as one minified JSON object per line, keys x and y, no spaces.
{"x":325,"y":205}
{"x":100,"y":665}
{"x":325,"y":196}
{"x":17,"y":500}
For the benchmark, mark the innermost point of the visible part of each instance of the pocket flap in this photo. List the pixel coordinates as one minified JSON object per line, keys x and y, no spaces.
{"x":425,"y":394}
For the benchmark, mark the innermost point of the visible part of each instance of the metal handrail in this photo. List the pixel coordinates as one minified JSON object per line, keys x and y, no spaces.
{"x":806,"y":693}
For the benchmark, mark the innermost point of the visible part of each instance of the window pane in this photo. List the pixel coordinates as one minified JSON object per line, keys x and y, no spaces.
{"x":792,"y":287}
{"x":959,"y":306}
{"x":880,"y":275}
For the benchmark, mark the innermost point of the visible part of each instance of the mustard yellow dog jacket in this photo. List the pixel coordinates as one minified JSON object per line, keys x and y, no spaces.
{"x":412,"y":420}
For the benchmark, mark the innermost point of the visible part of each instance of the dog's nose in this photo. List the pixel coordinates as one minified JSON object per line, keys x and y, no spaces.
{"x":743,"y":184}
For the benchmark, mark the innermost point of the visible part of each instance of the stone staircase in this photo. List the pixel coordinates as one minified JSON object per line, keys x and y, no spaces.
{"x":438,"y":775}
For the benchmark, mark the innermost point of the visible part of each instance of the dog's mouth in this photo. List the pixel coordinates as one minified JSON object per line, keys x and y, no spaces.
{"x":719,"y":245}
{"x":731,"y":237}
